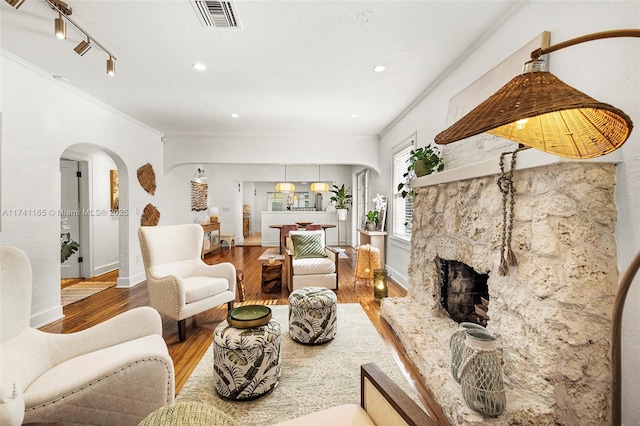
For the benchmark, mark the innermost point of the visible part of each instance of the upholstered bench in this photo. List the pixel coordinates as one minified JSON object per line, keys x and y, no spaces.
{"x":313,"y":315}
{"x":246,"y":361}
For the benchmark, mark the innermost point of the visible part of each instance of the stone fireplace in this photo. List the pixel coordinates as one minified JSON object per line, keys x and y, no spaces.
{"x":551,"y":313}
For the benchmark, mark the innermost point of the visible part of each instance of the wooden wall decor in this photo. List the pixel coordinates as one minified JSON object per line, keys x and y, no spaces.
{"x":150,"y":216}
{"x":147,"y":178}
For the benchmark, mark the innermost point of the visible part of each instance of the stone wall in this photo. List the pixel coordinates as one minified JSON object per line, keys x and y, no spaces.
{"x":551,"y":313}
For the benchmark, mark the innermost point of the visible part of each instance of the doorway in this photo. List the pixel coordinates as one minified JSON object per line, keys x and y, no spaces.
{"x":70,"y":217}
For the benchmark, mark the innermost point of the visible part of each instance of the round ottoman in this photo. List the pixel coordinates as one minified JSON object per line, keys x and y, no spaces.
{"x":188,"y":413}
{"x":246,"y":361}
{"x":312,"y":315}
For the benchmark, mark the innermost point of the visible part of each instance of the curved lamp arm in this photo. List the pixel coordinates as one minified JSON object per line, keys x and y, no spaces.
{"x":589,"y":37}
{"x":616,"y":340}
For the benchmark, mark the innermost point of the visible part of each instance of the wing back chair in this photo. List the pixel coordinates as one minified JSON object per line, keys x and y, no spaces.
{"x":180,"y":284}
{"x":116,"y":372}
{"x":309,"y":262}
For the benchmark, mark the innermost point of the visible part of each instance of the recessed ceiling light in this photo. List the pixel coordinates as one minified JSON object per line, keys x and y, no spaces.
{"x":353,"y":115}
{"x":380,"y":68}
{"x":200,"y":66}
{"x":235,"y":115}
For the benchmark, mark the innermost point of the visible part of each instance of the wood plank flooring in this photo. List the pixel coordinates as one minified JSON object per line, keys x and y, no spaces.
{"x":186,"y":355}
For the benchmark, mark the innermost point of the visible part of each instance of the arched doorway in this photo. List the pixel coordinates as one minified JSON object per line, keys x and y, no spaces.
{"x":89,"y":213}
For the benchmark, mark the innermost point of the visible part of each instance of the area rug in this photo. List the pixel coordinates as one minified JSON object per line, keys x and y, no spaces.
{"x":312,"y":378}
{"x":82,"y":290}
{"x":274,"y":251}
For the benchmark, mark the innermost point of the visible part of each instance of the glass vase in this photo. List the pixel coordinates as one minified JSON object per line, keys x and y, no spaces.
{"x":456,"y":344}
{"x":481,"y":374}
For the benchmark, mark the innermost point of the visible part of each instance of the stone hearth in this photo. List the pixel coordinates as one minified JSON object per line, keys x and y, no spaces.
{"x":551,"y":314}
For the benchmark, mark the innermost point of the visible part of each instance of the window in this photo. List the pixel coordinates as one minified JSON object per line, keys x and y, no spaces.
{"x":402,"y":207}
{"x":279,"y":201}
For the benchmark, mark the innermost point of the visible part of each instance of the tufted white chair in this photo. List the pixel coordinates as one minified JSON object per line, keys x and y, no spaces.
{"x":180,"y":284}
{"x":116,"y":372}
{"x":309,"y":271}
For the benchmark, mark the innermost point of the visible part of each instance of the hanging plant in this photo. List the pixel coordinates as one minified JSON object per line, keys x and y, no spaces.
{"x":422,"y":162}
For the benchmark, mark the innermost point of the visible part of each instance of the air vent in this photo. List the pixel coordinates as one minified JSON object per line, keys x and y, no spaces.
{"x":219,"y":14}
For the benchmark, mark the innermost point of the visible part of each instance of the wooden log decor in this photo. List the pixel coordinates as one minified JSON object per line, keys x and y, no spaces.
{"x":150,"y":216}
{"x":147,"y":178}
{"x":272,"y":277}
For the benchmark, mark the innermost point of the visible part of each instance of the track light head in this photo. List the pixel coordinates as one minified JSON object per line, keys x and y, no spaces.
{"x":15,"y":3}
{"x":111,"y":66}
{"x":60,"y":27}
{"x":83,"y":47}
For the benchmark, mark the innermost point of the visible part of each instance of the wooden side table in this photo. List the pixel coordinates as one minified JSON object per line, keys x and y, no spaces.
{"x":272,"y":277}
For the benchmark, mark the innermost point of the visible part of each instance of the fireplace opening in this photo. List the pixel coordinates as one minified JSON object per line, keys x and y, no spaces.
{"x":464,"y":293}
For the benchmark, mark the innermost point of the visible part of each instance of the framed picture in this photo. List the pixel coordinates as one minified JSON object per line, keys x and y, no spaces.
{"x":115,"y":190}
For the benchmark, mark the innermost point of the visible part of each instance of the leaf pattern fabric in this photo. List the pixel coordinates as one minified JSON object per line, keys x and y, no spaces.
{"x":307,"y":245}
{"x":246,"y":361}
{"x":313,"y":315}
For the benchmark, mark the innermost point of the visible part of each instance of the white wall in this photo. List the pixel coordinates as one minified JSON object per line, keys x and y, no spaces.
{"x":36,"y":130}
{"x":607,"y":70}
{"x":223,"y":182}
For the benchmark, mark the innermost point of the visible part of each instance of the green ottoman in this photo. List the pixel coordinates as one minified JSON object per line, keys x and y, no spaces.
{"x":246,"y":361}
{"x":313,"y":315}
{"x":188,"y":413}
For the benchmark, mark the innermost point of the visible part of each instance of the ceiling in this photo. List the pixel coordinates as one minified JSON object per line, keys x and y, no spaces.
{"x":291,"y":67}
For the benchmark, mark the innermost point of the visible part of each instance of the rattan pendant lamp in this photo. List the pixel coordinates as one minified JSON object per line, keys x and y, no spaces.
{"x":540,"y":111}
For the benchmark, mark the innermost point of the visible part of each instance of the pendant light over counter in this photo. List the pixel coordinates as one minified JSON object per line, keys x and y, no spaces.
{"x":319,"y":187}
{"x":285,"y":186}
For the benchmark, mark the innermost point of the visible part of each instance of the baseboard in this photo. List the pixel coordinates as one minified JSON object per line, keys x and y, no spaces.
{"x":46,"y":317}
{"x":106,"y":268}
{"x":398,"y":277}
{"x":128,"y":282}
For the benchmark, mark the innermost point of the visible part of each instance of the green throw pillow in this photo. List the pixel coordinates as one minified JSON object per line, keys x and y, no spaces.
{"x":306,"y":246}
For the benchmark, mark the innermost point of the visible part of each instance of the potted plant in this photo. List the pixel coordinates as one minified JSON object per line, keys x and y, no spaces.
{"x":372,"y":220}
{"x":342,"y":199}
{"x":422,"y":162}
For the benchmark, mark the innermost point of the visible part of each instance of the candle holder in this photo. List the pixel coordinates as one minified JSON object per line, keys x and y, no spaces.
{"x":380,"y":287}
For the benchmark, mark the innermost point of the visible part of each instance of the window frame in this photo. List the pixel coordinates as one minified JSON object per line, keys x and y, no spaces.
{"x":399,"y":229}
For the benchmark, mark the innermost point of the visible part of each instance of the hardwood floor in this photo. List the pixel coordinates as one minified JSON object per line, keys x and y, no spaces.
{"x":186,"y":355}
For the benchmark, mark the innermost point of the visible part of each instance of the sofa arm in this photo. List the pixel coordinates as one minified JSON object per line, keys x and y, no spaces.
{"x":386,"y":403}
{"x":127,"y":326}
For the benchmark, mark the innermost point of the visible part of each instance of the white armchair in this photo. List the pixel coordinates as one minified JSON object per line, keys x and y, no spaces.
{"x":180,"y":284}
{"x":116,"y":372}
{"x":309,"y":262}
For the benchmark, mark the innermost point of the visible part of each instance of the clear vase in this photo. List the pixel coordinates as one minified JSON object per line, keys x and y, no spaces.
{"x":456,"y":344}
{"x":481,"y":374}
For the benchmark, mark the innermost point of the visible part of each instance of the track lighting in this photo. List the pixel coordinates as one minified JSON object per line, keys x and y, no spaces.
{"x":83,"y":47}
{"x":111,"y":66}
{"x":15,"y":3}
{"x":60,"y":27}
{"x":60,"y":30}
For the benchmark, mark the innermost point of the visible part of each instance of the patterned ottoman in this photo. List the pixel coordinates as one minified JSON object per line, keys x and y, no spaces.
{"x":246,"y":361}
{"x":312,"y":315}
